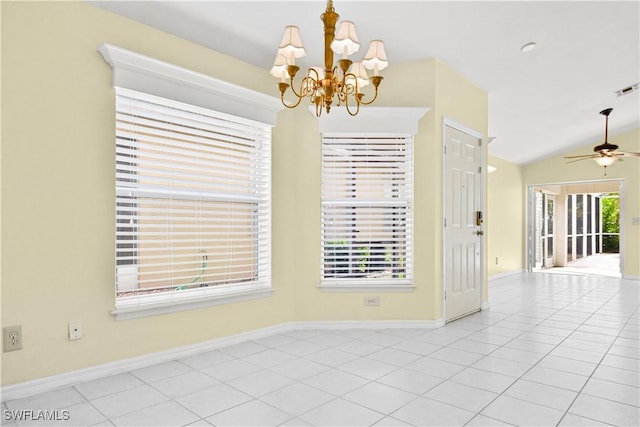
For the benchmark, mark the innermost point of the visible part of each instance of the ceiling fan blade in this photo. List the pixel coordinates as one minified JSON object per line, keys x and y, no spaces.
{"x":584,"y":158}
{"x":627,"y":154}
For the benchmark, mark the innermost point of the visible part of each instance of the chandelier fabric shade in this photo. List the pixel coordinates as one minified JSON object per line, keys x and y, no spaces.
{"x":360,"y":73}
{"x":376,"y":57}
{"x":279,"y":69}
{"x":346,"y":42}
{"x":291,"y":45}
{"x":330,"y":85}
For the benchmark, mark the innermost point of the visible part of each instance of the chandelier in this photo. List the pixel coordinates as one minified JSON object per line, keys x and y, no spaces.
{"x":343,"y":82}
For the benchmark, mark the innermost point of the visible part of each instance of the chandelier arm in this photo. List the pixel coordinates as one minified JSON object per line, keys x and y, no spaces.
{"x":346,"y":104}
{"x":321,"y":86}
{"x":350,"y":89}
{"x":372,"y":99}
{"x":297,"y":96}
{"x":304,"y":92}
{"x":376,"y":80}
{"x":289,"y":105}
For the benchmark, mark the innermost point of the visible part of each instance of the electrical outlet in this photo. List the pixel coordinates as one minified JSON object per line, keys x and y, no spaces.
{"x":75,"y":330}
{"x":372,"y":301}
{"x":11,"y":338}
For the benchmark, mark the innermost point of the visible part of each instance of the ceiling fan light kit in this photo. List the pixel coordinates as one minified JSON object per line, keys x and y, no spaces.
{"x":343,"y":82}
{"x":606,"y":154}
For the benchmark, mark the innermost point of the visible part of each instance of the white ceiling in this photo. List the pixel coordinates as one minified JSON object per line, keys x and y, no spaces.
{"x":541,"y":103}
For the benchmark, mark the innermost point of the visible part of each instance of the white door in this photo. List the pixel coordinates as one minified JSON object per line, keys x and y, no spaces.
{"x":463,"y":223}
{"x":539,"y":229}
{"x":548,"y":240}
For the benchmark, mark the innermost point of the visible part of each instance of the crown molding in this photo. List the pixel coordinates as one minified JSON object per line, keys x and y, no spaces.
{"x":371,"y":120}
{"x":138,"y":72}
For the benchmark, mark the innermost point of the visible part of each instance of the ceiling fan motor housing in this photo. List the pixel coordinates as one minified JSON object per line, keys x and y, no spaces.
{"x":604,"y":148}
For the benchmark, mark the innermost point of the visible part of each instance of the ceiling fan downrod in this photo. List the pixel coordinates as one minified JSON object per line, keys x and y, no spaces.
{"x":606,"y":146}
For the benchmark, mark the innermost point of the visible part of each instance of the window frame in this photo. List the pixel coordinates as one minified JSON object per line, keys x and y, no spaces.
{"x":133,"y":71}
{"x":371,"y":121}
{"x":406,"y":203}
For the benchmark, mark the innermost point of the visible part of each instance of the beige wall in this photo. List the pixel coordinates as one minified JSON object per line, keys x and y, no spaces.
{"x":555,"y":170}
{"x":448,"y":95}
{"x":58,"y":193}
{"x":505,"y":218}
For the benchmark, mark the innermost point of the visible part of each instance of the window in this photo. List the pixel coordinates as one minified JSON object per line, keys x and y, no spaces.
{"x":193,"y":187}
{"x":192,"y":199}
{"x":367,"y":213}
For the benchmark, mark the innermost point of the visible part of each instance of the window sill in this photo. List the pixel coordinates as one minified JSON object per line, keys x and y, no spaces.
{"x":350,"y":286}
{"x":155,"y":305}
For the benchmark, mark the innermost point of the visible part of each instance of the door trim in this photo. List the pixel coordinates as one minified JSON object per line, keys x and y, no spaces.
{"x":530,"y":205}
{"x":447,"y":121}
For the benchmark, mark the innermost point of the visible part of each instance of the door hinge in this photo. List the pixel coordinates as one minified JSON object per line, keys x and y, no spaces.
{"x":445,"y":149}
{"x":445,"y":296}
{"x":445,"y":222}
{"x":479,"y":169}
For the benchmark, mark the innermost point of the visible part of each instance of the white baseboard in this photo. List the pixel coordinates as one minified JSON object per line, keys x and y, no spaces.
{"x":627,"y":277}
{"x":372,"y":324}
{"x":505,"y":274}
{"x":42,"y":385}
{"x":484,"y":305}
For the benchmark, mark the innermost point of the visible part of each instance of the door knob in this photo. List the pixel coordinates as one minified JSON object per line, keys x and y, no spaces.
{"x":480,"y":233}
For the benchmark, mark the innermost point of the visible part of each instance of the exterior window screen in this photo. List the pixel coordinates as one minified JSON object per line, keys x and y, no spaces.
{"x":192,"y":198}
{"x":367,"y":214}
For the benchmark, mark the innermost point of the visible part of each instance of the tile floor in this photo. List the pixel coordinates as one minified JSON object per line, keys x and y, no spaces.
{"x":551,"y":350}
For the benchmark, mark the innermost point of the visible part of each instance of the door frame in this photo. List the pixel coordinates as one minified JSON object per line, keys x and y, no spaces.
{"x":545,"y":249}
{"x":539,"y":237}
{"x":530,"y":217}
{"x":447,"y":121}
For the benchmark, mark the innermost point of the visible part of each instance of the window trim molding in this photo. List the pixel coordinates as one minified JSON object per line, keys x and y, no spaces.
{"x":344,"y":286}
{"x":371,"y":284}
{"x":371,"y":121}
{"x":141,"y":73}
{"x":195,"y":299}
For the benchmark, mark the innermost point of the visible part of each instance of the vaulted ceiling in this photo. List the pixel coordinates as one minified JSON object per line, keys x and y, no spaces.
{"x":541,"y":103}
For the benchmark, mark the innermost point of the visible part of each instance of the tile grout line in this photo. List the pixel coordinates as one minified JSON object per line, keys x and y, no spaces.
{"x":555,"y":346}
{"x":601,"y":359}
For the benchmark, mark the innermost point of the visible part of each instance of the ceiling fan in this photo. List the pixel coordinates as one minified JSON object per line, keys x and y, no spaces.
{"x":605,"y":154}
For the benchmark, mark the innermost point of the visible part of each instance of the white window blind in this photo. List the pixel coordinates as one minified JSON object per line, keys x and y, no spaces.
{"x":192,"y":199}
{"x":367,"y":219}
